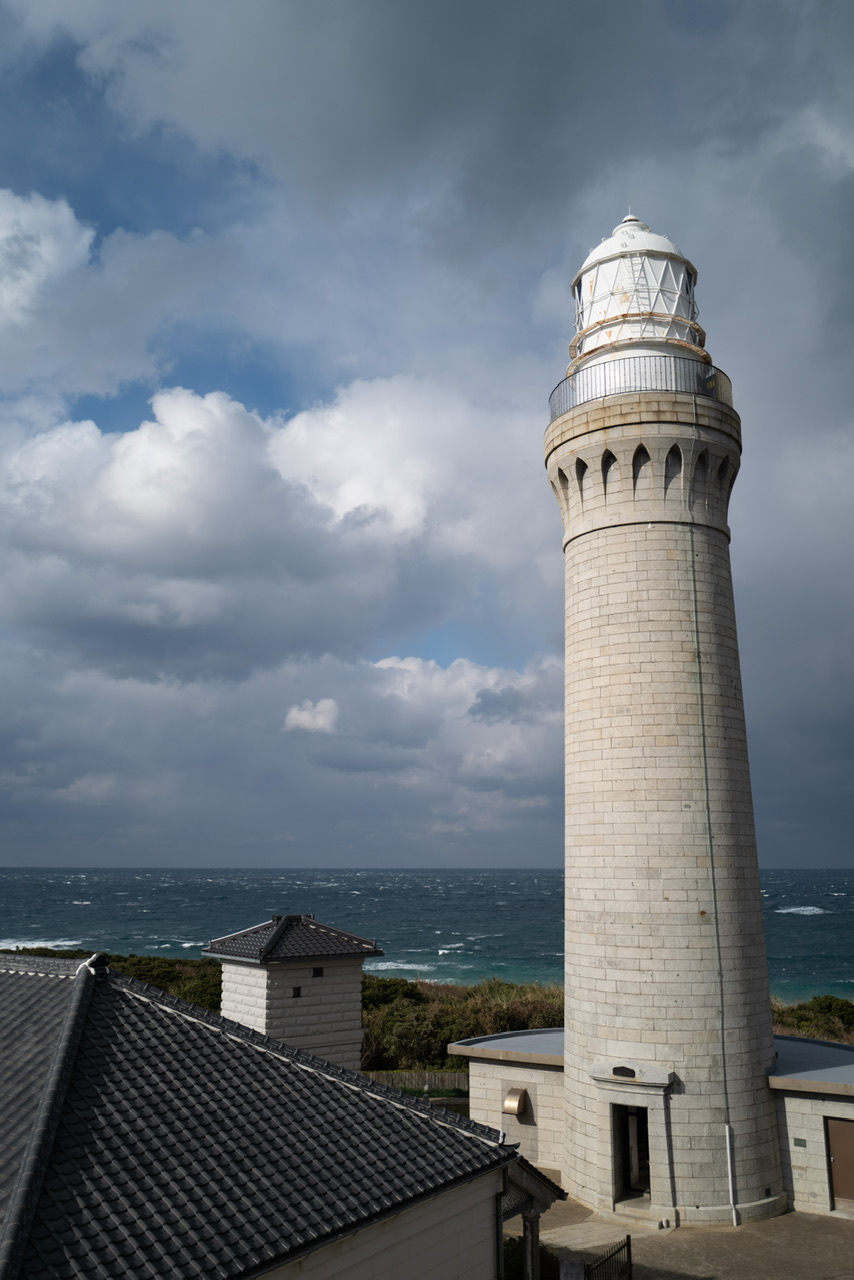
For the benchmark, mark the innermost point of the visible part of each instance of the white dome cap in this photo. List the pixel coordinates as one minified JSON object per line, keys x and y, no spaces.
{"x":635,"y":289}
{"x":633,"y":236}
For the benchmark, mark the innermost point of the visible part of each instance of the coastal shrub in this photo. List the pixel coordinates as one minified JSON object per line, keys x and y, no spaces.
{"x":379,"y":991}
{"x":199,"y":981}
{"x":410,"y":1030}
{"x":821,"y":1018}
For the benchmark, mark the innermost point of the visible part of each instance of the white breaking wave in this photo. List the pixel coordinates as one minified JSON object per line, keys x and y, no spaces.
{"x":801,"y":911}
{"x":56,"y":944}
{"x":393,"y":964}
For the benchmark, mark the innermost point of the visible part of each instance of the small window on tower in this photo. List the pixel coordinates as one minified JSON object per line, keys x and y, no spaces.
{"x":317,"y":972}
{"x":297,"y":992}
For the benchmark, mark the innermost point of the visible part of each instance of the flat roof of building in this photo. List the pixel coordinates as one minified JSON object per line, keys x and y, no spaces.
{"x":802,"y":1066}
{"x":543,"y":1046}
{"x":812,"y":1066}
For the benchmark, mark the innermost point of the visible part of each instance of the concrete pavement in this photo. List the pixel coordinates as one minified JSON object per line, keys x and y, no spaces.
{"x":796,"y":1246}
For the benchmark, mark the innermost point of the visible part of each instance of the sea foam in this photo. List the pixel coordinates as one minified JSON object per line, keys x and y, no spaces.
{"x":56,"y":944}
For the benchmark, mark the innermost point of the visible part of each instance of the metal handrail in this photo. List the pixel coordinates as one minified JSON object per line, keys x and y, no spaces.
{"x":640,"y":373}
{"x":615,"y":1264}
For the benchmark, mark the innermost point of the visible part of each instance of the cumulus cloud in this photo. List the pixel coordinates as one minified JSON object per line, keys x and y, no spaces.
{"x":76,"y":318}
{"x":316,"y":717}
{"x":39,"y":241}
{"x":146,"y":547}
{"x":209,"y":538}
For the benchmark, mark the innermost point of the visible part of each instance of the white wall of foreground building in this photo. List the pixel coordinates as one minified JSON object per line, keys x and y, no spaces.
{"x":451,"y":1237}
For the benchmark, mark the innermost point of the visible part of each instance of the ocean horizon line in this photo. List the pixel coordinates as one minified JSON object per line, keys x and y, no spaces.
{"x":50,"y":866}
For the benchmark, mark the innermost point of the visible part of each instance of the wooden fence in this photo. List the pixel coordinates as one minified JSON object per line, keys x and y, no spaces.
{"x":423,"y":1081}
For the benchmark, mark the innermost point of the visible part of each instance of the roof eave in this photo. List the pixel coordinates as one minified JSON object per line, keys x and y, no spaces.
{"x":315,"y":955}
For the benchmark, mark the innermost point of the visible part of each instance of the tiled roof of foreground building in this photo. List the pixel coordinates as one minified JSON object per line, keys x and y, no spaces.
{"x":150,"y":1138}
{"x":291,"y":938}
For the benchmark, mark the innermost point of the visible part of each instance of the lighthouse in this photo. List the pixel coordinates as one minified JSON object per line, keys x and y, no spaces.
{"x":668,"y":1037}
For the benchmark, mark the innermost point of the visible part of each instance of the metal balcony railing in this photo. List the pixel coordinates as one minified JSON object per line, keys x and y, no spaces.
{"x":640,"y":373}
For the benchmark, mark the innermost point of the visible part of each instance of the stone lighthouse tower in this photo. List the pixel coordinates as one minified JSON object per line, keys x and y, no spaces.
{"x":668,"y":1031}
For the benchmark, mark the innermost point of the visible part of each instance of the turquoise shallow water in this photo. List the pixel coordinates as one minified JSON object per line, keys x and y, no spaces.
{"x":448,"y":926}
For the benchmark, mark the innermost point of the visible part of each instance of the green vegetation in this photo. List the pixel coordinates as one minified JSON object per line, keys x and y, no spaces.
{"x":409,"y":1024}
{"x":822,"y":1018}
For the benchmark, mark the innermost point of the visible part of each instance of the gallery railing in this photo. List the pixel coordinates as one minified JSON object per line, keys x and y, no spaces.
{"x":640,"y":373}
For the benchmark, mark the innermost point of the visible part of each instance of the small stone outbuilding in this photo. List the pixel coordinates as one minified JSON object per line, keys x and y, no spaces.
{"x":297,"y":980}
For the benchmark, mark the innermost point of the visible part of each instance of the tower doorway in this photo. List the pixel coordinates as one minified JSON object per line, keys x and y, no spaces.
{"x":630,"y":1130}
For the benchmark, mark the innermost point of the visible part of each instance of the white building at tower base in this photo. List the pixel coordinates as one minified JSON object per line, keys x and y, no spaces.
{"x":517,"y":1085}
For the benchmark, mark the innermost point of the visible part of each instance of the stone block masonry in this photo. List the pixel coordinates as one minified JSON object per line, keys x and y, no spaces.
{"x":804,"y":1147}
{"x":539,"y":1131}
{"x":325,"y":1017}
{"x":665,"y":963}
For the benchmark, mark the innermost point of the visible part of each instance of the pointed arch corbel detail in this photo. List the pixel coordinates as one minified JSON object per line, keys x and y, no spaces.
{"x":610,"y":474}
{"x":673,"y":469}
{"x":641,"y":473}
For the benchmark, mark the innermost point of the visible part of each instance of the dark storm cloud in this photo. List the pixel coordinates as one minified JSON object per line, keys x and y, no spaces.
{"x":383,"y":203}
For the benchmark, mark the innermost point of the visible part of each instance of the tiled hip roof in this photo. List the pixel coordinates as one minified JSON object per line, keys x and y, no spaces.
{"x":291,"y":938}
{"x":186,"y":1146}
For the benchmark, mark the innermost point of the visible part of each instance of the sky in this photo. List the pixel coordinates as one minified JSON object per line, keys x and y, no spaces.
{"x":284,"y":287}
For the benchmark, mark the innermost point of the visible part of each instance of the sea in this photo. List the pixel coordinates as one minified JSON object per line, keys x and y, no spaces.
{"x":451,"y":926}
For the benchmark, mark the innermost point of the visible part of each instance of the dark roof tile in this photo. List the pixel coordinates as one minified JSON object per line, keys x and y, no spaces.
{"x":187,"y":1145}
{"x":33,"y":1005}
{"x":291,"y":938}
